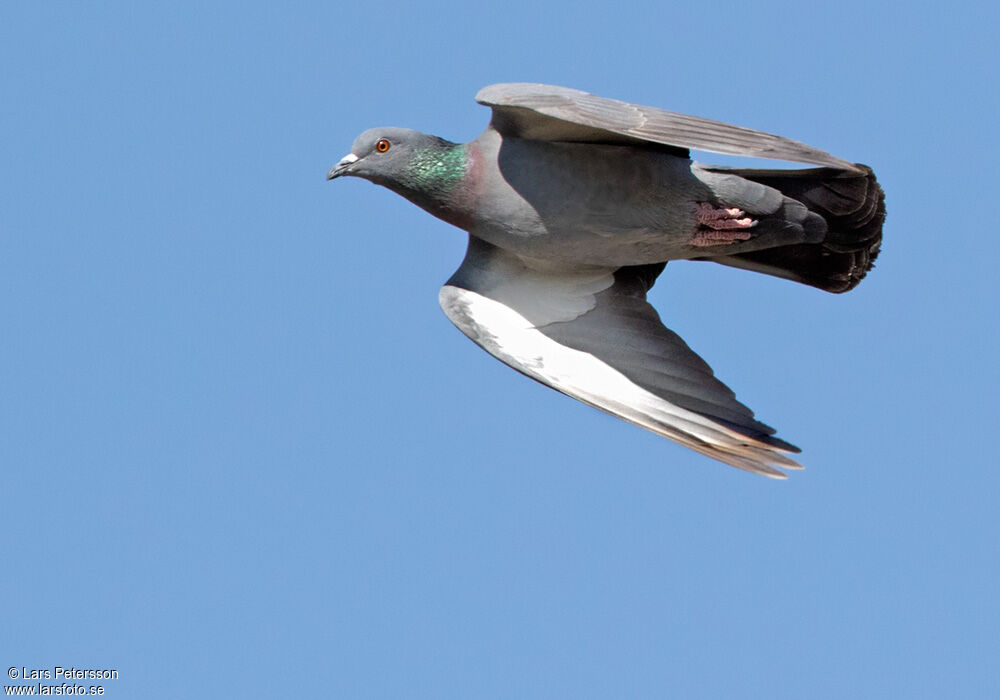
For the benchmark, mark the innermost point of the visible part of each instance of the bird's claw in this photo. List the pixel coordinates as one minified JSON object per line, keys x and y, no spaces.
{"x":723,"y":219}
{"x":721,"y":225}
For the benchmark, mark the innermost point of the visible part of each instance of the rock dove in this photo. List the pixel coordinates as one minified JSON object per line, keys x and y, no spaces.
{"x":575,"y":203}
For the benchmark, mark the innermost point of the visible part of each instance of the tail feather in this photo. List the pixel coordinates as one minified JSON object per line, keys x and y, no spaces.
{"x":853,"y":205}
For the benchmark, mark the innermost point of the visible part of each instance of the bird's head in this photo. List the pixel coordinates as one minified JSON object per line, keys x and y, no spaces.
{"x":388,"y":155}
{"x":425,"y":169}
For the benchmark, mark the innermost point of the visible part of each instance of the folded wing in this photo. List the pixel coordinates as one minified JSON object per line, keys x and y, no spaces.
{"x":589,"y":333}
{"x":549,"y":112}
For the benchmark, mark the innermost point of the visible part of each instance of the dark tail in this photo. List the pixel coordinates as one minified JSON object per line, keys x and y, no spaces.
{"x":853,"y":205}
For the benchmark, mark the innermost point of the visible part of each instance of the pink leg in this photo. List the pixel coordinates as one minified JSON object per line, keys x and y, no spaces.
{"x":722,"y":226}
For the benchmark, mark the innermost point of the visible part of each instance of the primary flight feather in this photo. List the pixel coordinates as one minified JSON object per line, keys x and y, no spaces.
{"x":575,"y":203}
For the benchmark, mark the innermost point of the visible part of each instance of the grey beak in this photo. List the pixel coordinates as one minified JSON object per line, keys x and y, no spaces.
{"x":341,"y":167}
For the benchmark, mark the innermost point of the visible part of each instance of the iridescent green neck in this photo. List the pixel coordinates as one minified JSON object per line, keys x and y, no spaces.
{"x":437,"y":169}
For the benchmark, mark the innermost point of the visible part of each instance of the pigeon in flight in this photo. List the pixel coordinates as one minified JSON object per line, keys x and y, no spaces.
{"x":574,"y":204}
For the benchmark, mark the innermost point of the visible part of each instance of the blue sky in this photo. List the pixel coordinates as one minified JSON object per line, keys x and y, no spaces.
{"x":246,"y":455}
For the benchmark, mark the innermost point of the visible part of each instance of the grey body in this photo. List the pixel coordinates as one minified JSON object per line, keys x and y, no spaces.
{"x":586,"y":203}
{"x":600,"y":204}
{"x":574,"y":204}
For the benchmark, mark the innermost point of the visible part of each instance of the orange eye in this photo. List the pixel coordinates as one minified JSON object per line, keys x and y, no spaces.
{"x":382,"y":146}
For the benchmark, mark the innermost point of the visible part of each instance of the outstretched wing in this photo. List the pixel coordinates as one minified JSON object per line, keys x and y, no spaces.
{"x":549,"y":112}
{"x":589,"y":333}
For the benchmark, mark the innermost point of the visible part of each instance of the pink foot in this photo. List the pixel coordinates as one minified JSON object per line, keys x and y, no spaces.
{"x":723,"y":219}
{"x":705,"y":238}
{"x":722,"y":226}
